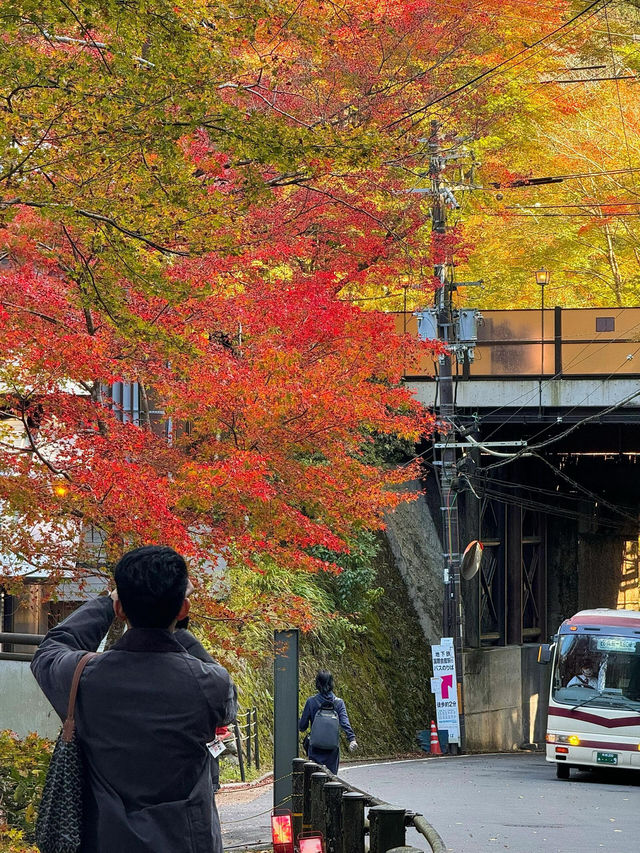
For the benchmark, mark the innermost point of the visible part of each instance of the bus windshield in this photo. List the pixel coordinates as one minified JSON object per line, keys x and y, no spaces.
{"x":600,"y":671}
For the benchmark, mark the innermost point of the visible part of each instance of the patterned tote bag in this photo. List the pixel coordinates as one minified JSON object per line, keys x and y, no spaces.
{"x":59,"y":823}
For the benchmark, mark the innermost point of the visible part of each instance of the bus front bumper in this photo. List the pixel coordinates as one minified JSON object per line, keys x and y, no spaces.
{"x":591,"y":753}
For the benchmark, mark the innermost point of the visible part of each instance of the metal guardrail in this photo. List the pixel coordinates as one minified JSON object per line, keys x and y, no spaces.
{"x":9,"y":638}
{"x":325,"y":803}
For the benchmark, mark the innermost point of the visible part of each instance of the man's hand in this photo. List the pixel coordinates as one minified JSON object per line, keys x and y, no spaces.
{"x":353,"y":745}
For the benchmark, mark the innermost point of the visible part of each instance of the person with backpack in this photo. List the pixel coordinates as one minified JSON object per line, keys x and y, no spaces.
{"x":326,"y":714}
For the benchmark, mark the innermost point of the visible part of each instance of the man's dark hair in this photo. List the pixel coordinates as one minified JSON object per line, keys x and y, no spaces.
{"x":151,"y":583}
{"x":324,"y":682}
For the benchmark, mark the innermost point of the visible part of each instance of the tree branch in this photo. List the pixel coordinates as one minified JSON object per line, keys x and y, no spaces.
{"x":96,"y":217}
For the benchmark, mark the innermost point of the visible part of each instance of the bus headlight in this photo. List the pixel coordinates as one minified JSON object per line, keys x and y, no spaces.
{"x":573,"y":740}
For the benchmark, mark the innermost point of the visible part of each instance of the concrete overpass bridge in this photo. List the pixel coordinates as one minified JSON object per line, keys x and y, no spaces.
{"x":547,"y":427}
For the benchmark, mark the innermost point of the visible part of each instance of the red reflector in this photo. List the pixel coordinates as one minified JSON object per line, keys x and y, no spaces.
{"x":282,"y":833}
{"x":563,"y":749}
{"x":311,"y":844}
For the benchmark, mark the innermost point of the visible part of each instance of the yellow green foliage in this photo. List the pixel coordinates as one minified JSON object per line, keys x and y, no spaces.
{"x":23,"y":766}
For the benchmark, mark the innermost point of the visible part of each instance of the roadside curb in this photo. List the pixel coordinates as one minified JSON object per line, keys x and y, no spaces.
{"x":263,"y":781}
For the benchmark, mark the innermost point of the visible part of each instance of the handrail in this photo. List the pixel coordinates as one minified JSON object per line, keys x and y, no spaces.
{"x":21,"y":639}
{"x":9,"y":638}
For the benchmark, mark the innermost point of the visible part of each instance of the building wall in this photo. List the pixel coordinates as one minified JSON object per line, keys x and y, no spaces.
{"x":506,"y":698}
{"x":23,"y":707}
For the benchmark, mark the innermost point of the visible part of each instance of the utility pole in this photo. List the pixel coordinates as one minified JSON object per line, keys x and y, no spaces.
{"x":452,"y":605}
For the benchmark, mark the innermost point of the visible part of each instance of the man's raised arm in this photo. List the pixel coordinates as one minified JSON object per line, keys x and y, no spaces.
{"x":55,"y":659}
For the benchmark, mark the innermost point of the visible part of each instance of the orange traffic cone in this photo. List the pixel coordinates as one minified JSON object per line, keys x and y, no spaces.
{"x":435,"y":743}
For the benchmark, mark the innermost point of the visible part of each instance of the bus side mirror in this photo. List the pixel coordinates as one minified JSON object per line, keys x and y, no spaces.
{"x":544,"y":653}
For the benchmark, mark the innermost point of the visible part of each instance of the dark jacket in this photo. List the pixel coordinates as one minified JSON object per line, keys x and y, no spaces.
{"x":144,"y":713}
{"x":329,"y":757}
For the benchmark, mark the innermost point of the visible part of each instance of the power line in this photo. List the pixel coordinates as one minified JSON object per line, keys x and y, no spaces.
{"x":531,"y":450}
{"x":613,"y":61}
{"x":575,"y":361}
{"x":598,"y":498}
{"x":560,"y":38}
{"x":548,"y":509}
{"x":586,"y":420}
{"x":576,"y":215}
{"x":555,"y":43}
{"x":549,"y":179}
{"x":576,"y":204}
{"x":499,"y":65}
{"x":487,"y":487}
{"x":577,"y":406}
{"x":511,"y":484}
{"x":584,"y":80}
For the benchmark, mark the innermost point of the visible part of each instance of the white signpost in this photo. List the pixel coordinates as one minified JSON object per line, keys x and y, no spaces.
{"x":445,"y":688}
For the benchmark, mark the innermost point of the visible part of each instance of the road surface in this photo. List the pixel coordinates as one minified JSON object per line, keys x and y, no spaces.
{"x":485,"y":803}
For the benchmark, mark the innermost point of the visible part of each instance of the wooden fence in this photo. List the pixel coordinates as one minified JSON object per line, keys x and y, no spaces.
{"x":246,"y":735}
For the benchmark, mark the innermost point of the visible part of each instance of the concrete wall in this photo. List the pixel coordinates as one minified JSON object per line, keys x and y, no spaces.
{"x":417,"y":553}
{"x":506,"y":697}
{"x":23,"y":708}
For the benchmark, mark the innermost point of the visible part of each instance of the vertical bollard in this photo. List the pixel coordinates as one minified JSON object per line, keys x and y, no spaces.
{"x":309,"y":768}
{"x":249,"y":738}
{"x":332,"y":793}
{"x":386,"y":828}
{"x":297,"y":789}
{"x":352,"y":822}
{"x":318,"y":780}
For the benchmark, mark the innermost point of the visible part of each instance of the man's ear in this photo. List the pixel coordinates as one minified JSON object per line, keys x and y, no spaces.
{"x":118,"y":609}
{"x":184,"y":610}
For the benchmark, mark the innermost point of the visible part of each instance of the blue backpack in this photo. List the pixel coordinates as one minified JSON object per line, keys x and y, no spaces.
{"x":325,"y":729}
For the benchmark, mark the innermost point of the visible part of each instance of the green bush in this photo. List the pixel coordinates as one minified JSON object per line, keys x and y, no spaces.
{"x":23,"y":767}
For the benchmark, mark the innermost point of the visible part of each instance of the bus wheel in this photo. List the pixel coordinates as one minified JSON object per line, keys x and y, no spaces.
{"x":562,"y":770}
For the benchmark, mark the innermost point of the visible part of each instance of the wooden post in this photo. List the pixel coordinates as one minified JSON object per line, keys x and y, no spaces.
{"x":256,"y":747}
{"x":297,"y":795}
{"x":236,"y":730}
{"x":249,"y":744}
{"x":352,"y":822}
{"x":309,"y":768}
{"x":386,"y":828}
{"x":332,"y":793}
{"x":318,"y":780}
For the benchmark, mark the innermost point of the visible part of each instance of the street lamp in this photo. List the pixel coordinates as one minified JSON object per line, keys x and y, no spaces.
{"x":542,"y":278}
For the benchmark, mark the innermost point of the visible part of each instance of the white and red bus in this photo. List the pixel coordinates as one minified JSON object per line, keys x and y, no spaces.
{"x":594,"y":697}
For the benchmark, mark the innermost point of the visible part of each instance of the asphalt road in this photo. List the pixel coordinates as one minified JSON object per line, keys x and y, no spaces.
{"x":486,"y":803}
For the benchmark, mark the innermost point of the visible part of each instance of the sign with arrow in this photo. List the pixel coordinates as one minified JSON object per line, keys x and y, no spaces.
{"x":444,"y":687}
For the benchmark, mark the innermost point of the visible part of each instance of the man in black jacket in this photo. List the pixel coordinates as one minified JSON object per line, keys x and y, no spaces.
{"x":145,"y":711}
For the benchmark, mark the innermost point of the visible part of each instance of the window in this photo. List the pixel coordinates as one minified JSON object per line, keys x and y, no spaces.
{"x":605,"y":324}
{"x":603,"y":670}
